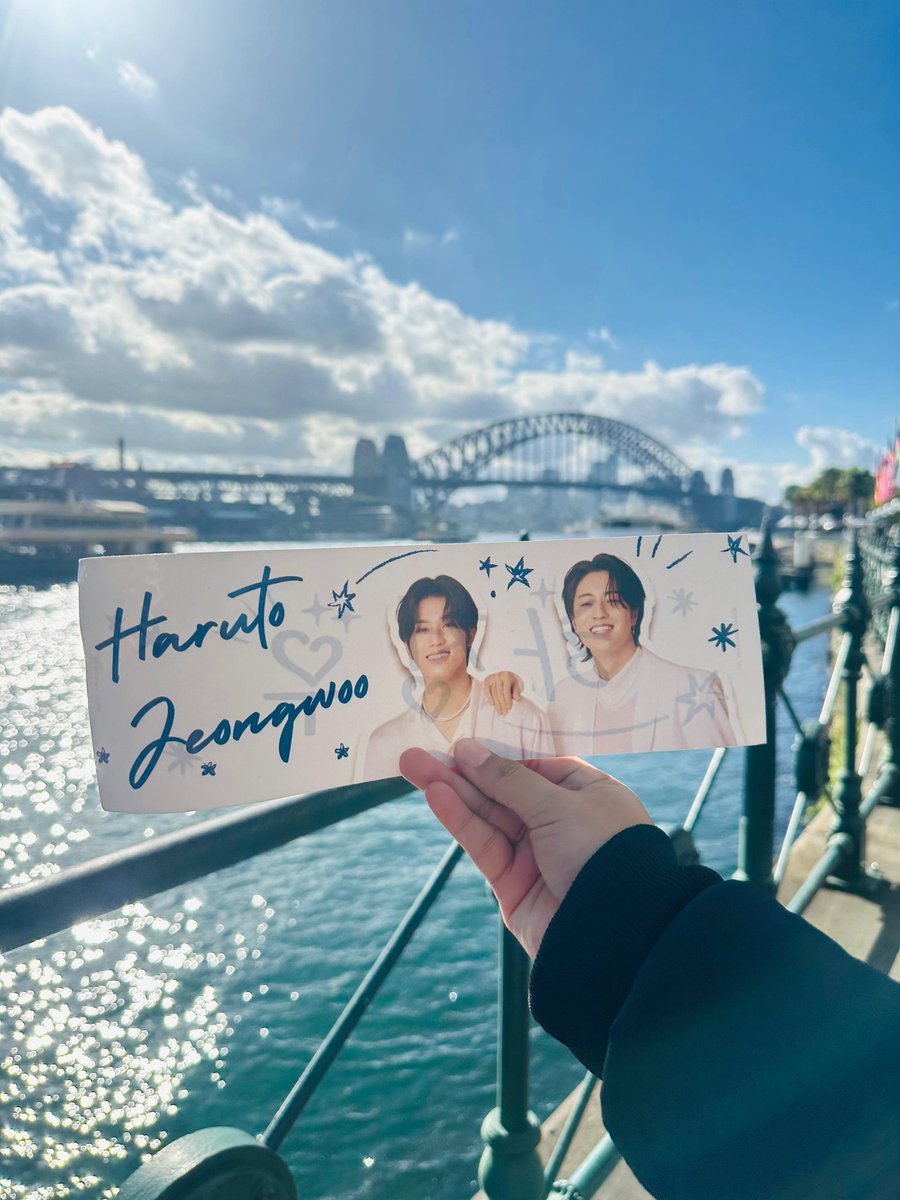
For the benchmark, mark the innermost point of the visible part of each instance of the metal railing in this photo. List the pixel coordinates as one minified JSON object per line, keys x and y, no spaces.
{"x":232,"y":1162}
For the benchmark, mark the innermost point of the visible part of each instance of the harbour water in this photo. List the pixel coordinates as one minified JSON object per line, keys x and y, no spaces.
{"x":202,"y":1005}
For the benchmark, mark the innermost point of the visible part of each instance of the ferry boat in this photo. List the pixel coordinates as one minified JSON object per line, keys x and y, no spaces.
{"x":44,"y":531}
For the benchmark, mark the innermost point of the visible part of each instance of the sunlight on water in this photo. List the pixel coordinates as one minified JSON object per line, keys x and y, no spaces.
{"x":116,"y":1035}
{"x":202,"y":1005}
{"x":99,"y":1026}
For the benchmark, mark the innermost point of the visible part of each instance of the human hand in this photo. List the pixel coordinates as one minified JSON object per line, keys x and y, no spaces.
{"x":528,"y":827}
{"x":503,"y":689}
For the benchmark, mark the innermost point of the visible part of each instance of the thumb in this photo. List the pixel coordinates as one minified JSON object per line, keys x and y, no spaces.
{"x":509,"y":782}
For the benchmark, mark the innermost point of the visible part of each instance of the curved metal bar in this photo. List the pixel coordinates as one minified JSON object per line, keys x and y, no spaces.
{"x":564,"y":1141}
{"x":834,"y":683}
{"x":790,"y":834}
{"x":840,"y":848}
{"x":890,"y":644}
{"x":820,"y":625}
{"x":868,"y":749}
{"x":799,"y":807}
{"x":463,"y":457}
{"x":791,"y":711}
{"x":885,"y":600}
{"x":590,"y":1176}
{"x":303,"y":1090}
{"x":101,"y":885}
{"x":715,"y":762}
{"x":874,"y":796}
{"x":802,"y":799}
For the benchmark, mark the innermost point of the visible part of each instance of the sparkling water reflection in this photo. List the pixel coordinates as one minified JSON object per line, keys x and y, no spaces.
{"x":201,"y":1006}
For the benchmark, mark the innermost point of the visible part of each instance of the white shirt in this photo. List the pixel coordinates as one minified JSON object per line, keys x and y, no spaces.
{"x":523,"y":733}
{"x":651,"y":704}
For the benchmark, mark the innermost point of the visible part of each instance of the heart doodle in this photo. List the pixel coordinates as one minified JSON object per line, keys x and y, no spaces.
{"x":279,"y":652}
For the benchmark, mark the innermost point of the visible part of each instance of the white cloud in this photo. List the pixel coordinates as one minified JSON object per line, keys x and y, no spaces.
{"x":680,"y":406}
{"x":825,"y":446}
{"x":292,"y":212}
{"x":764,"y":480}
{"x":180,"y":322}
{"x":56,"y":420}
{"x":577,"y":361}
{"x":18,"y":257}
{"x":605,"y":336}
{"x":416,"y":239}
{"x":831,"y":447}
{"x":136,"y":81}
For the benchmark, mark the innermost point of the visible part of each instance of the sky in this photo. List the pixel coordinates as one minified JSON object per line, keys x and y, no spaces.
{"x":242,"y":235}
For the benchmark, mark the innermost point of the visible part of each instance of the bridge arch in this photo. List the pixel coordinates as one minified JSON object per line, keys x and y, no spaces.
{"x":460,"y":460}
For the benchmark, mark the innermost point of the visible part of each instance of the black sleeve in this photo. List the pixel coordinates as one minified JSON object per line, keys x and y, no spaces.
{"x":744,"y":1055}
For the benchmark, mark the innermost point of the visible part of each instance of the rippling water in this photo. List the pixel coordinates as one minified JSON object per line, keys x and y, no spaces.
{"x":201,"y":1006}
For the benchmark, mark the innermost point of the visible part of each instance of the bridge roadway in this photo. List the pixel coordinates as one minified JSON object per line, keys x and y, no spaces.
{"x":867,"y":928}
{"x":114,"y":480}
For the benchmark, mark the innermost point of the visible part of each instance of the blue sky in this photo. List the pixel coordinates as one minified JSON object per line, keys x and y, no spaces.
{"x":251,"y":232}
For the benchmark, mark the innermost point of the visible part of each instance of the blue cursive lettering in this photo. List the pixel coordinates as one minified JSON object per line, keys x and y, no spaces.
{"x":283,"y":716}
{"x":258,"y":623}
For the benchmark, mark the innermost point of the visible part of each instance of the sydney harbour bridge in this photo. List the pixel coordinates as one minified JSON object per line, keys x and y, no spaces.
{"x":566,"y":451}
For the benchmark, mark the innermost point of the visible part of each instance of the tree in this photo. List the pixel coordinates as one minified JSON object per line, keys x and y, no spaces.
{"x":835,"y":490}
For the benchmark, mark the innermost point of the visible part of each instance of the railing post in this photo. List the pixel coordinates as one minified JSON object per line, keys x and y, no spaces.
{"x":848,"y":825}
{"x":756,"y":830}
{"x":891,"y":765}
{"x":510,"y":1167}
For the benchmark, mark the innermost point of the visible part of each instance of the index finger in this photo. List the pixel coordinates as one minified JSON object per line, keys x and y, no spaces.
{"x":423,"y":769}
{"x":509,"y":781}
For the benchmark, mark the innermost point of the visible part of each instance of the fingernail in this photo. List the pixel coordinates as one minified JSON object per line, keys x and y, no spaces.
{"x":471,"y":753}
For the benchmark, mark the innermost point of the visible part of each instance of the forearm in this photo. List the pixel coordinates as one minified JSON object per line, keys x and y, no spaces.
{"x":743,"y":1053}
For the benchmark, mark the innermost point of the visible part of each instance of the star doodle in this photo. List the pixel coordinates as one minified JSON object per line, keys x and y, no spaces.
{"x":734,"y":547}
{"x":103,"y":755}
{"x":722,"y":636}
{"x":487,"y":566}
{"x":208,"y":768}
{"x":700,"y":697}
{"x":518,"y":573}
{"x":342,"y":751}
{"x":342,"y":600}
{"x":684,"y":601}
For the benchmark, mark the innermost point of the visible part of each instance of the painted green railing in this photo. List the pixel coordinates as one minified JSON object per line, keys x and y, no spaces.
{"x":230,"y":1164}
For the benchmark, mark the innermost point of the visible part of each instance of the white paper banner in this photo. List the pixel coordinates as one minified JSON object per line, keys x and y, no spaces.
{"x":223,"y":678}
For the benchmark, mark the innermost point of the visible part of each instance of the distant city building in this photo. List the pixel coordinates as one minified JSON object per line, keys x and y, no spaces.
{"x":368,"y":469}
{"x":396,"y":466}
{"x":605,"y":470}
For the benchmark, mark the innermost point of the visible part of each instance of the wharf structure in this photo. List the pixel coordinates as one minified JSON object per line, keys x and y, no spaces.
{"x":862,"y":774}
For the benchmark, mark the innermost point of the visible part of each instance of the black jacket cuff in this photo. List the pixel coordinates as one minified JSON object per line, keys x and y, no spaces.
{"x":619,"y":904}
